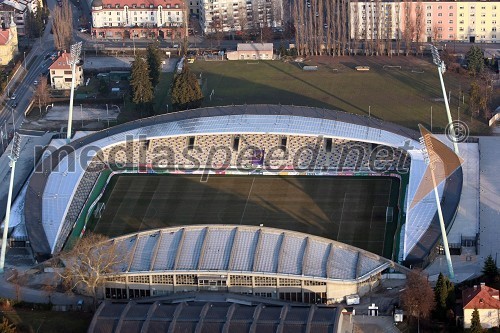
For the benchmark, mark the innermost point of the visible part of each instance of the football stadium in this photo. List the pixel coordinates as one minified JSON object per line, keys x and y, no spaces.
{"x":288,"y":202}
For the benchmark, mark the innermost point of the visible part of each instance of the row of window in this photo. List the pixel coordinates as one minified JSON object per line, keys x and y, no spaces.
{"x":141,"y":6}
{"x":235,"y":280}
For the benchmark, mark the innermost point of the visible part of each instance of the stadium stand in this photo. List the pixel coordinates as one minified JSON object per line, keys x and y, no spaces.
{"x":242,"y":259}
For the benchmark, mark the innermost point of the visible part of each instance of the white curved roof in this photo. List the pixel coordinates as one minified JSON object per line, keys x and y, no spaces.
{"x":230,"y":248}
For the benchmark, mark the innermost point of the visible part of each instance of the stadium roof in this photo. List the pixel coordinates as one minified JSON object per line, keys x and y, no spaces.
{"x":213,"y":313}
{"x":250,"y":249}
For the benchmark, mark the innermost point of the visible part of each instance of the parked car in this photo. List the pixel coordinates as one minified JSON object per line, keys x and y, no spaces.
{"x":14,"y":105}
{"x":13,"y":96}
{"x":83,"y":30}
{"x":35,"y":83}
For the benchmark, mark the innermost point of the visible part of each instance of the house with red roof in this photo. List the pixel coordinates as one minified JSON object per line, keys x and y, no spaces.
{"x":133,"y":19}
{"x":60,"y":73}
{"x":486,"y":300}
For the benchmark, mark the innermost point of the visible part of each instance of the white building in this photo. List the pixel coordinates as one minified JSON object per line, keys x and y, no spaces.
{"x":225,"y":15}
{"x":60,"y":73}
{"x":138,"y":19}
{"x":252,"y":51}
{"x":487,"y":303}
{"x":19,"y":10}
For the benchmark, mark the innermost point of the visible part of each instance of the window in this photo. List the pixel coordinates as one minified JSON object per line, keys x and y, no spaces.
{"x":285,"y":282}
{"x":186,"y":279}
{"x":429,"y":21}
{"x":429,"y":7}
{"x":240,"y":280}
{"x":429,"y":14}
{"x":450,"y":29}
{"x":440,"y":14}
{"x":451,"y":14}
{"x":264,"y":281}
{"x":494,"y":36}
{"x":450,"y":21}
{"x":440,"y":7}
{"x":314,"y":283}
{"x":138,"y":279}
{"x":450,"y":7}
{"x":461,"y":22}
{"x":494,"y":29}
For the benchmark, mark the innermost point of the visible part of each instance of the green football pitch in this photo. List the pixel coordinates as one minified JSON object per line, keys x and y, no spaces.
{"x":348,"y":209}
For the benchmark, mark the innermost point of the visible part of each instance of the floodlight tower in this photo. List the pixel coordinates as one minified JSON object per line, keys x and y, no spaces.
{"x":431,"y":158}
{"x":441,"y":70}
{"x":14,"y":155}
{"x":74,"y":58}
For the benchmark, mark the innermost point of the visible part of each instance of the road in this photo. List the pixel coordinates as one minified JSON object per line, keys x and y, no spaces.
{"x":12,"y":113}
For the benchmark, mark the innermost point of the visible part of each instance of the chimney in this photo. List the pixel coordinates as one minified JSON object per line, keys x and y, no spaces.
{"x":483,"y":285}
{"x":475,"y":287}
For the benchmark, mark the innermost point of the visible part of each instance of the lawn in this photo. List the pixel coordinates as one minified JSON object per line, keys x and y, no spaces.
{"x":404,"y":94}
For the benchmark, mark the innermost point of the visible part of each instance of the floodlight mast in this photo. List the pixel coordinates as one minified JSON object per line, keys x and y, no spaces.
{"x":74,"y":58}
{"x":431,"y":158}
{"x":441,"y":69}
{"x":14,"y":155}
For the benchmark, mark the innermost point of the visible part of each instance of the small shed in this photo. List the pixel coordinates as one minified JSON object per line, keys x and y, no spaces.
{"x":251,"y":51}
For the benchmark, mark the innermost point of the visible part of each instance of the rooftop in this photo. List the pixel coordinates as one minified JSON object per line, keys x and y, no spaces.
{"x":231,"y":248}
{"x":4,"y":36}
{"x":480,"y":297}
{"x":213,"y":313}
{"x":255,"y":47}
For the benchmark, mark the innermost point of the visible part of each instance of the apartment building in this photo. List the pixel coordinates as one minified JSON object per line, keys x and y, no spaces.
{"x":138,"y":19}
{"x":235,"y":15}
{"x":18,"y":10}
{"x":467,"y":21}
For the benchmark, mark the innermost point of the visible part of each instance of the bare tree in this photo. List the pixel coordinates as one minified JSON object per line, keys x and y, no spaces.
{"x":63,"y":26}
{"x":408,"y":26}
{"x":418,"y":297}
{"x":86,"y":265}
{"x":243,"y":22}
{"x":419,"y":23}
{"x":397,"y":14}
{"x":41,"y":96}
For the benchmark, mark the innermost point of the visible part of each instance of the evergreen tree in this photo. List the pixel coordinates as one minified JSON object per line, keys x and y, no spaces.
{"x":441,"y":296}
{"x":490,"y":268}
{"x":475,"y":324}
{"x":154,"y":63}
{"x":142,"y":89}
{"x":186,"y":92}
{"x":475,"y":61}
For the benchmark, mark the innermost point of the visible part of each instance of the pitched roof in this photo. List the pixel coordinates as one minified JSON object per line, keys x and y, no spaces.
{"x":255,"y":47}
{"x":4,"y":36}
{"x":482,"y":297}
{"x":61,"y":62}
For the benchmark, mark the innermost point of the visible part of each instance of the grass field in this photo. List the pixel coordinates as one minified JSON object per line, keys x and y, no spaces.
{"x":403,"y":94}
{"x":350,"y":210}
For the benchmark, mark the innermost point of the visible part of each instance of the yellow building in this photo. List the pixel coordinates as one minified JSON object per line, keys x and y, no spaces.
{"x":8,"y":42}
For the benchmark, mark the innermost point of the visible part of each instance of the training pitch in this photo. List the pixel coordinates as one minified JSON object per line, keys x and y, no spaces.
{"x":348,"y":209}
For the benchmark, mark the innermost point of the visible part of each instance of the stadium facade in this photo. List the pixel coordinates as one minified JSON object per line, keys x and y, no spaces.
{"x":58,"y":192}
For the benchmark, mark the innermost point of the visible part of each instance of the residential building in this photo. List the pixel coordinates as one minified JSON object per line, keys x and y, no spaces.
{"x":139,"y":19}
{"x":19,"y":11}
{"x":8,"y":42}
{"x":468,"y":21}
{"x":60,"y":73}
{"x":252,"y":51}
{"x":485,"y":299}
{"x":227,"y":15}
{"x":194,"y":7}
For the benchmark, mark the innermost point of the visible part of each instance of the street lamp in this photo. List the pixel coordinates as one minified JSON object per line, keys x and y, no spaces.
{"x":14,"y":155}
{"x":431,"y":158}
{"x":25,"y":61}
{"x":8,"y":88}
{"x":74,"y":58}
{"x":441,"y":69}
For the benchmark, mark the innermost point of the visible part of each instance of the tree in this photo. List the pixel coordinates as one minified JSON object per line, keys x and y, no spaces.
{"x":490,"y":268}
{"x":41,"y":96}
{"x":142,"y":89}
{"x":444,"y":295}
{"x":186,"y":92}
{"x":103,"y":86}
{"x":153,"y":57}
{"x":475,"y":61}
{"x":417,"y":298}
{"x":475,"y":323}
{"x":87,"y":263}
{"x":63,"y":26}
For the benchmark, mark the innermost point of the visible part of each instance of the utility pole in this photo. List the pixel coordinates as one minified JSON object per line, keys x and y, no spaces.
{"x":14,"y":155}
{"x":76,"y":50}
